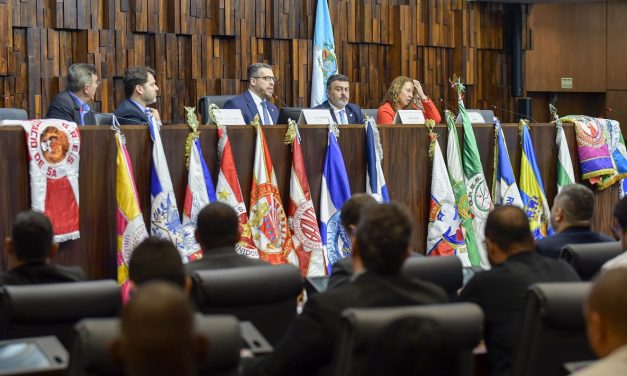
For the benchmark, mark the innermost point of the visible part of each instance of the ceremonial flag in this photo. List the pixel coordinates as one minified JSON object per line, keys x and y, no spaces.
{"x":302,"y":215}
{"x":444,"y":235}
{"x":131,"y":229}
{"x":324,"y":59}
{"x":229,"y":192}
{"x":334,"y":192}
{"x":504,"y":188}
{"x":532,"y":190}
{"x":565,"y":174}
{"x":375,"y":181}
{"x":165,"y":222}
{"x":268,"y":222}
{"x":616,"y":146}
{"x":458,"y":183}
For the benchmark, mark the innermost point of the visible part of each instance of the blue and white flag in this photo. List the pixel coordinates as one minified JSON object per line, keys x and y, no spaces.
{"x":335,"y":191}
{"x":504,"y":188}
{"x":375,"y":181}
{"x":165,"y":222}
{"x":324,"y":59}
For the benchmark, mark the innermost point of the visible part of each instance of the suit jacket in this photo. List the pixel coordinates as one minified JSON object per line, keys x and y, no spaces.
{"x":41,"y":272}
{"x":386,"y":113}
{"x":128,"y":113}
{"x":63,"y":107}
{"x":353,"y":112}
{"x":246,"y":104}
{"x":552,"y":246}
{"x":308,"y":346}
{"x":222,"y":258}
{"x":501,"y":293}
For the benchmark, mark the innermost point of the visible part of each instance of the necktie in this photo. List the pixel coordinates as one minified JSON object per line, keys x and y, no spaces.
{"x":84,"y":110}
{"x":266,"y":114}
{"x":343,"y":118}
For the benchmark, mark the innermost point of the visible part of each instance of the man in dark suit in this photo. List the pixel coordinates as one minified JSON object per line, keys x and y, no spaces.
{"x":382,"y":243}
{"x":501,"y":291}
{"x":254,"y":101}
{"x":338,"y":94}
{"x":157,"y":259}
{"x":31,"y":243}
{"x":140,"y":88}
{"x":218,"y":232}
{"x":571,"y":218}
{"x":71,"y":105}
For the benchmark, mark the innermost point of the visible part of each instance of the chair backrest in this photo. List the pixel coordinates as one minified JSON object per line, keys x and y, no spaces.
{"x":91,"y":356}
{"x":552,"y":329}
{"x":263,"y":295}
{"x":204,"y":102}
{"x":459,"y":325}
{"x":53,"y":309}
{"x":7,"y":113}
{"x":587,"y":259}
{"x":370,"y":112}
{"x":444,"y":271}
{"x":287,"y":113}
{"x":103,"y":119}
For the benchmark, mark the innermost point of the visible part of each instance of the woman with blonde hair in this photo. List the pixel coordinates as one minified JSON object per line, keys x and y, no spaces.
{"x":406,"y":94}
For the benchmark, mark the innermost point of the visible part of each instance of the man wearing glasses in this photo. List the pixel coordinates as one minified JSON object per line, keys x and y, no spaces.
{"x":71,"y":105}
{"x":255,"y":100}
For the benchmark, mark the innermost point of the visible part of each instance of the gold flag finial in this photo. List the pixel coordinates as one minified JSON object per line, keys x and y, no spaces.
{"x":291,"y":133}
{"x":192,"y":121}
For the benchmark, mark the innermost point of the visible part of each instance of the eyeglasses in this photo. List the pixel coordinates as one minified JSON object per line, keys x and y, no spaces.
{"x":268,"y":78}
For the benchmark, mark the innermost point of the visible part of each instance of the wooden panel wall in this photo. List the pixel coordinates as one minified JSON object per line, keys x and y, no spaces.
{"x":203,"y":47}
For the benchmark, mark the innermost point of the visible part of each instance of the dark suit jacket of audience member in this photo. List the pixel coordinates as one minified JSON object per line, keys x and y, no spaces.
{"x":501,"y":294}
{"x":222,"y":258}
{"x":63,"y":107}
{"x":552,"y":246}
{"x":128,"y":113}
{"x":41,"y":272}
{"x":246,"y":104}
{"x":353,"y":112}
{"x":308,"y":346}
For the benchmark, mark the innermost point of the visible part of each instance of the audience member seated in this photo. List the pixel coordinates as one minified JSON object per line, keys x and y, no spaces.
{"x":501,"y":291}
{"x":606,"y":324}
{"x":620,"y":233}
{"x":217,"y":232}
{"x":71,"y":105}
{"x":406,"y":94}
{"x":157,"y":333}
{"x":140,"y":88}
{"x":382,"y":243}
{"x":571,"y":218}
{"x":254,"y":101}
{"x":32,"y":245}
{"x":338,"y":94}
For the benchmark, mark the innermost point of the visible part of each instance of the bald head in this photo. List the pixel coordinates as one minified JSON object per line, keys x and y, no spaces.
{"x":607,"y":297}
{"x":217,"y":226}
{"x":508,"y":228}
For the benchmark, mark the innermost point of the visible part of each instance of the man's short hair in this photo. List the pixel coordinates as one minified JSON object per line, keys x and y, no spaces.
{"x":336,"y":77}
{"x":217,"y":225}
{"x":508,"y":225}
{"x":156,"y":259}
{"x":32,"y":236}
{"x":608,"y":298}
{"x":383,"y":236}
{"x":136,"y":76}
{"x":620,"y":213}
{"x":253,"y":69}
{"x":79,"y":75}
{"x":577,"y":202}
{"x":349,"y":214}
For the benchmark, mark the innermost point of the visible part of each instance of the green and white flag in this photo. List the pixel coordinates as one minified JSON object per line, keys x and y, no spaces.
{"x":476,"y":186}
{"x":456,"y":176}
{"x":565,"y":173}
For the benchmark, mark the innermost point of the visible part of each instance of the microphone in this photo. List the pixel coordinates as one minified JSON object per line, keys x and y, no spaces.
{"x":279,"y":101}
{"x":514,"y":113}
{"x":446,"y":105}
{"x":18,"y":105}
{"x":616,"y":112}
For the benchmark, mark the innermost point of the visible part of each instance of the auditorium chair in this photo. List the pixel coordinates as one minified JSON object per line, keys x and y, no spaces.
{"x":90,"y":355}
{"x":204,"y":102}
{"x":444,"y":271}
{"x":458,"y":326}
{"x":587,"y":259}
{"x":13,"y":114}
{"x":263,"y":295}
{"x":53,"y":309}
{"x":370,"y":112}
{"x":552,"y":330}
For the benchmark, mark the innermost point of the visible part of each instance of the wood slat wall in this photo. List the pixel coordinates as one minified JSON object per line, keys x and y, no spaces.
{"x":203,"y":47}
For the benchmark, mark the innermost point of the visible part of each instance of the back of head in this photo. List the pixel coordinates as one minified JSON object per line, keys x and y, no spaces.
{"x":217,"y":226}
{"x":158,"y":332}
{"x":79,"y":75}
{"x":136,"y":76}
{"x":508,"y":227}
{"x":351,"y":210}
{"x":395,"y":88}
{"x":607,"y":297}
{"x":577,"y":202}
{"x":156,"y":259}
{"x":32,"y":236}
{"x":383,"y":237}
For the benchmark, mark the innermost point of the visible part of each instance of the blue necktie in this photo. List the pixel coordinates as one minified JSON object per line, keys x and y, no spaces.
{"x":343,"y":118}
{"x":84,"y":110}
{"x":149,"y":116}
{"x":266,"y":114}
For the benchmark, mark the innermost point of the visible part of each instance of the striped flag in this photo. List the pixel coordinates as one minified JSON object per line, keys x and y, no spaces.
{"x":565,"y":173}
{"x":334,"y":192}
{"x":504,"y":187}
{"x":324,"y":59}
{"x":375,"y":181}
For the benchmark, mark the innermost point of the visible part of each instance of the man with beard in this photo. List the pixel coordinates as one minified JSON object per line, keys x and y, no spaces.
{"x":338,"y":94}
{"x":141,"y":91}
{"x":254,"y":101}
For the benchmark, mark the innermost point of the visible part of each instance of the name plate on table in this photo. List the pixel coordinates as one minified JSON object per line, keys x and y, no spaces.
{"x":311,"y":116}
{"x":409,"y":117}
{"x":229,"y":116}
{"x":476,"y":117}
